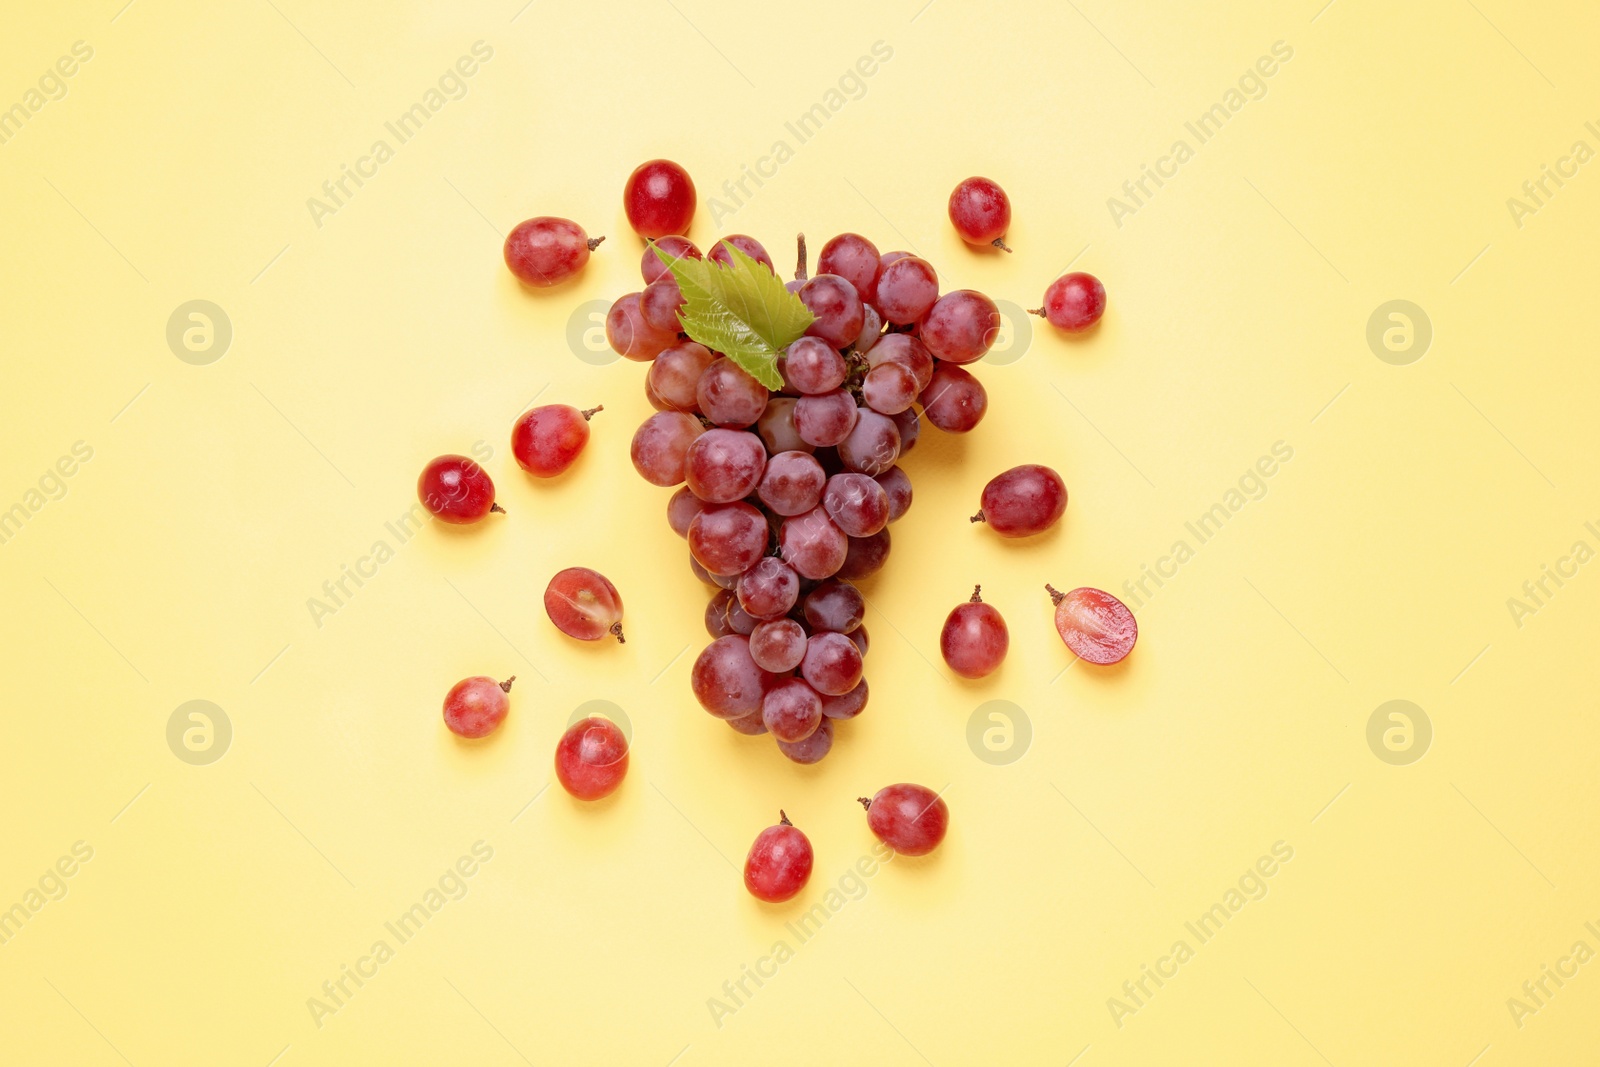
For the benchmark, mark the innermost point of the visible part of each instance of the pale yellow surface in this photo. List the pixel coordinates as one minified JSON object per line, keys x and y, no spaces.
{"x":1377,"y":566}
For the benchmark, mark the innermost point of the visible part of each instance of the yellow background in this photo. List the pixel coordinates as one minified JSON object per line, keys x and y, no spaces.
{"x":178,"y":564}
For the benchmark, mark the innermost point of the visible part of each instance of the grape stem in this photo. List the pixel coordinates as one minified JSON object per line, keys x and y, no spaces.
{"x":505,"y":686}
{"x":783,"y":820}
{"x":977,"y":597}
{"x":1056,"y":597}
{"x":800,"y":265}
{"x":616,"y":628}
{"x":594,"y":243}
{"x":497,"y":507}
{"x":998,"y":242}
{"x":1036,"y":311}
{"x":978,"y":518}
{"x":590,"y":413}
{"x":865,"y":802}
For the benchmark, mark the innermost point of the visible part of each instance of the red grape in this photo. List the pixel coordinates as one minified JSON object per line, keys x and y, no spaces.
{"x":728,"y":396}
{"x":750,"y":725}
{"x":837,"y":308}
{"x":981,"y":212}
{"x":834,"y":607}
{"x":748,"y":245}
{"x":682,"y":509}
{"x":813,"y":366}
{"x":825,"y":420}
{"x":584,"y":604}
{"x":853,"y":258}
{"x":873,"y":445}
{"x":741,"y":621}
{"x":630,"y":335}
{"x":1097,"y":626}
{"x":456,"y":490}
{"x":659,"y":199}
{"x":675,"y":376}
{"x":1074,"y":302}
{"x":847,"y":705}
{"x":778,"y":646}
{"x":547,"y":440}
{"x":954,"y":400}
{"x":871,"y":329}
{"x":769,"y":589}
{"x":907,"y":288}
{"x":1023,"y":501}
{"x":661,"y":445}
{"x":961,"y":327}
{"x":812,"y":544}
{"x":906,"y":350}
{"x":717,"y":614}
{"x":475,"y":707}
{"x":674,"y":247}
{"x":791,"y":709}
{"x":779,"y":863}
{"x":813,"y":748}
{"x":859,"y":636}
{"x":832,"y":664}
{"x":865,"y":556}
{"x":727,"y":681}
{"x":547,"y":250}
{"x":659,"y":304}
{"x":722,"y":466}
{"x":897,"y":487}
{"x":792,"y":484}
{"x":591,"y":758}
{"x":911,"y":819}
{"x":777,"y":429}
{"x":857,"y":504}
{"x":728,"y":539}
{"x":910,"y":426}
{"x":889,"y":388}
{"x":974,"y":639}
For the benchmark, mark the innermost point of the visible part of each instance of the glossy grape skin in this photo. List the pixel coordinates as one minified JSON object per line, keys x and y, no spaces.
{"x":813,"y":366}
{"x":1097,"y":626}
{"x":722,"y":466}
{"x":889,"y":389}
{"x":779,"y":863}
{"x":547,"y":440}
{"x":749,"y":725}
{"x":832,"y":664}
{"x":837,"y":308}
{"x":769,"y":589}
{"x":791,"y":709}
{"x":777,"y":429}
{"x":778,"y":645}
{"x":812,"y":544}
{"x":475,"y":707}
{"x":826,"y":419}
{"x":792,"y":484}
{"x":856,"y":503}
{"x":907,"y":288}
{"x":835,"y":606}
{"x":630,"y":335}
{"x":726,"y":681}
{"x":728,"y":396}
{"x":728,"y":539}
{"x":456,"y":490}
{"x":911,"y":819}
{"x":954,"y":400}
{"x":897,"y":489}
{"x":717,"y":614}
{"x":865,"y":556}
{"x":546,"y":251}
{"x":681,"y":510}
{"x":853,"y":258}
{"x":659,"y":199}
{"x":661,"y":446}
{"x":974,"y":639}
{"x":748,"y":245}
{"x":871,"y":329}
{"x":906,"y":350}
{"x":890,"y":257}
{"x":591,"y":758}
{"x":674,"y":377}
{"x":659,"y":304}
{"x":812,"y":749}
{"x":675,"y":247}
{"x":1023,"y":501}
{"x":584,"y":604}
{"x":1074,"y":302}
{"x":846,"y":705}
{"x":981,"y":212}
{"x":873,"y":445}
{"x":741,"y":621}
{"x":961,"y":326}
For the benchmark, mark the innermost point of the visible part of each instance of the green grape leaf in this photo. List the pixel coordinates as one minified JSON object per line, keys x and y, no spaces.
{"x":741,"y":310}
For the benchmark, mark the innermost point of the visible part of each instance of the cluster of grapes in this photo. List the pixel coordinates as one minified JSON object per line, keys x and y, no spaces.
{"x":786,"y":496}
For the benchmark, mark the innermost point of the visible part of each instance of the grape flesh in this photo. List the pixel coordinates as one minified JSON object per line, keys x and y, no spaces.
{"x":674,"y":378}
{"x":778,"y":646}
{"x":659,"y":199}
{"x":1097,"y":626}
{"x":674,"y":247}
{"x":456,"y":490}
{"x":661,"y":447}
{"x":592,"y":758}
{"x":722,"y":466}
{"x":974,"y":639}
{"x":728,"y":539}
{"x":961,"y":326}
{"x":792,"y":484}
{"x":981,"y":212}
{"x":727,"y":681}
{"x":907,"y":288}
{"x":779,"y":863}
{"x":791,"y":709}
{"x":728,"y":396}
{"x":857,"y":504}
{"x":911,"y":819}
{"x":1074,"y":302}
{"x":837,"y":308}
{"x":1023,"y":501}
{"x":853,"y":258}
{"x":769,"y":589}
{"x":832,"y":664}
{"x":475,"y":707}
{"x":547,"y":250}
{"x":547,"y":440}
{"x":584,"y":604}
{"x":954,"y":400}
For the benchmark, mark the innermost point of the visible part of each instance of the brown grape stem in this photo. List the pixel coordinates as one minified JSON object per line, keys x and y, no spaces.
{"x":978,"y":518}
{"x":977,"y":595}
{"x":497,"y":507}
{"x":1036,"y":311}
{"x":865,"y":802}
{"x":594,"y":243}
{"x":616,"y":629}
{"x":783,"y":820}
{"x":1056,"y":597}
{"x":590,"y":413}
{"x":800,"y":265}
{"x":505,"y":686}
{"x":1000,"y":243}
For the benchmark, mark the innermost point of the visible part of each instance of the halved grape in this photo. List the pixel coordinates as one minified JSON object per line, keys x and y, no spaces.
{"x":1097,"y":626}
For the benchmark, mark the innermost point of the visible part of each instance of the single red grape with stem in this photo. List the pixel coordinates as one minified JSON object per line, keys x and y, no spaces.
{"x":584,"y":604}
{"x":1074,"y":302}
{"x":779,"y":863}
{"x":974,"y":639}
{"x":911,"y":819}
{"x":1097,"y":626}
{"x":659,"y":199}
{"x":547,"y":250}
{"x":456,"y":490}
{"x":592,"y":758}
{"x":1023,"y":501}
{"x":981,"y":212}
{"x":547,"y":440}
{"x":475,"y":707}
